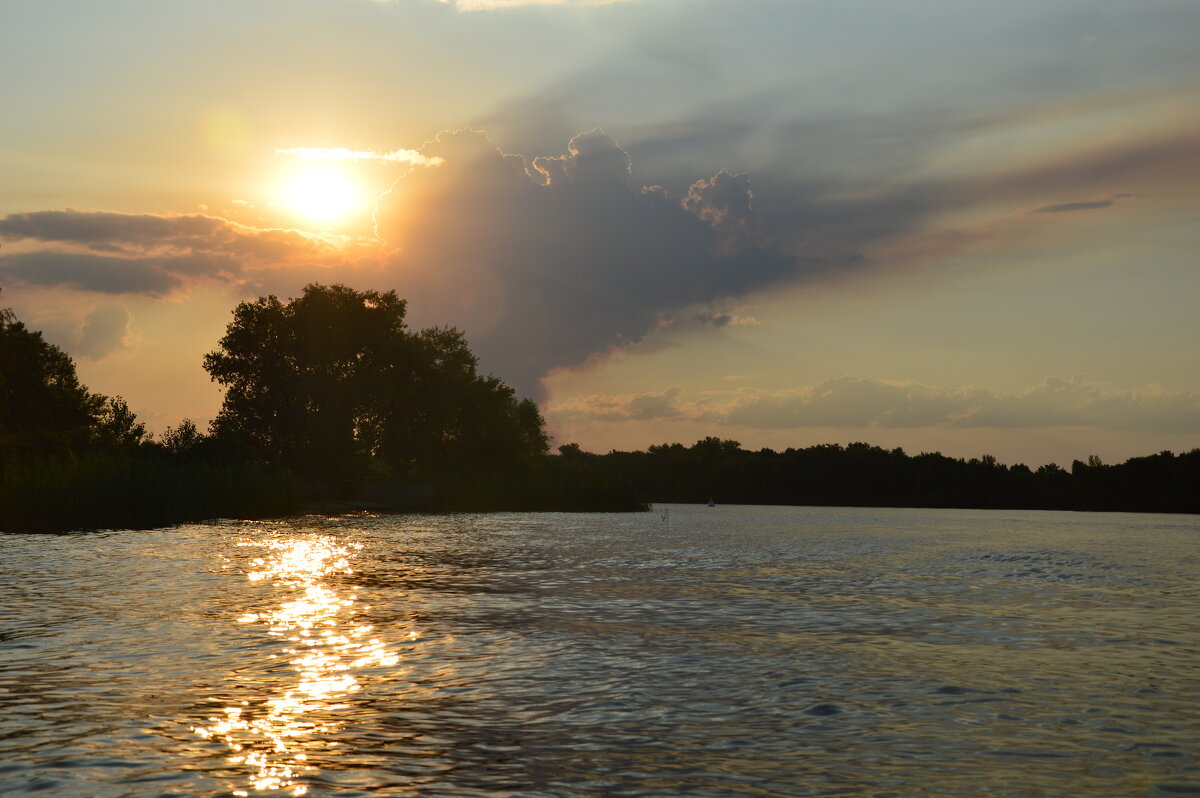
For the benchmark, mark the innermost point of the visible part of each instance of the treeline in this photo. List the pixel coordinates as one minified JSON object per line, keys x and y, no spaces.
{"x":861,"y":475}
{"x":332,"y":402}
{"x":328,"y":395}
{"x":74,"y":459}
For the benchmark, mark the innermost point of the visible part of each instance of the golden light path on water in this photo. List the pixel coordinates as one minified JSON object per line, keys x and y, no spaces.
{"x":327,"y":646}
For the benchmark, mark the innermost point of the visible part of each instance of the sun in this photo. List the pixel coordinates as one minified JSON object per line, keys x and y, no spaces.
{"x":323,"y":195}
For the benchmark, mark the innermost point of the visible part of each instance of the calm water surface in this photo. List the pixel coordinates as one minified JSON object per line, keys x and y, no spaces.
{"x":711,"y":652}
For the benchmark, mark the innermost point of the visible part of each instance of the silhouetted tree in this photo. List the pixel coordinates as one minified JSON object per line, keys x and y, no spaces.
{"x":434,"y":413}
{"x":183,"y":439}
{"x":45,"y":412}
{"x":573,"y":451}
{"x":116,"y":427}
{"x":333,"y":384}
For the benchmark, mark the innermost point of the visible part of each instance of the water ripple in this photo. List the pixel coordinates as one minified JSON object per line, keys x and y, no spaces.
{"x":742,"y":651}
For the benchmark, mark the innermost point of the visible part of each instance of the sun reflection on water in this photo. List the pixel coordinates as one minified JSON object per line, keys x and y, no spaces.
{"x":327,"y":644}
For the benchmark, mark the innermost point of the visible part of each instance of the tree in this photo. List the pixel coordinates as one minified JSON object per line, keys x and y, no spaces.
{"x":45,"y":412}
{"x":116,"y":427}
{"x":182,"y":440}
{"x":573,"y":451}
{"x":333,"y":384}
{"x":293,"y":372}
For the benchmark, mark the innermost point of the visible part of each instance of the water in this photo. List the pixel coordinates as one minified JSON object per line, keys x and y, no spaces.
{"x":725,"y":652}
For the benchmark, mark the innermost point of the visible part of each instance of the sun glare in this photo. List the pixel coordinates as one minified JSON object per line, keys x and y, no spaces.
{"x":323,"y":195}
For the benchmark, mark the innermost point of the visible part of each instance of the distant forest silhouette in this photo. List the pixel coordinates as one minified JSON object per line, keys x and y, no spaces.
{"x":862,"y":475}
{"x":332,"y":403}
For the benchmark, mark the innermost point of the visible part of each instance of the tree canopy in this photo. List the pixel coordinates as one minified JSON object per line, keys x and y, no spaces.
{"x":335,"y":385}
{"x":45,"y":412}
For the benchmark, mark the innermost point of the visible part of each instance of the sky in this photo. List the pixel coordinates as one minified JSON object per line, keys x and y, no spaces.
{"x":966,"y":227}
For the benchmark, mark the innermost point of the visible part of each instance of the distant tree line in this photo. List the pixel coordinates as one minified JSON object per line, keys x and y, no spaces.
{"x":861,"y":475}
{"x":331,"y":392}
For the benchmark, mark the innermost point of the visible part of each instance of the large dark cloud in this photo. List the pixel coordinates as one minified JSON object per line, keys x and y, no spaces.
{"x":547,"y":263}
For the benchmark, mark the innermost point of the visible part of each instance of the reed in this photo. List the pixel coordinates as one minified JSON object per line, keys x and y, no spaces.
{"x":137,"y":491}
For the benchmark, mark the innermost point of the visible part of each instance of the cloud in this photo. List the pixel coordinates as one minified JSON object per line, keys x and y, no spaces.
{"x":850,"y":401}
{"x":723,"y":318}
{"x":593,"y":159}
{"x":115,"y":253}
{"x":715,"y":319}
{"x":839,"y":184}
{"x":551,"y":261}
{"x":1166,"y":159}
{"x":105,"y":274}
{"x":724,"y":202}
{"x":843,"y":402}
{"x":547,"y":262}
{"x":648,"y":406}
{"x":493,"y":5}
{"x":104,"y":331}
{"x":343,"y":154}
{"x":844,"y":221}
{"x":496,"y":5}
{"x":141,"y":234}
{"x":1068,"y":207}
{"x":109,"y":231}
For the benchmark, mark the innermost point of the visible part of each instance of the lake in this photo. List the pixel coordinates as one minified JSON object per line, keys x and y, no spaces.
{"x":758,"y":651}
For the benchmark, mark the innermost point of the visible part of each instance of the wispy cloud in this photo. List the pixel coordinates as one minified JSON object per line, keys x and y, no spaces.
{"x":150,"y":254}
{"x":647,"y":406}
{"x":136,"y":233}
{"x":343,"y":154}
{"x":851,"y":401}
{"x":1069,"y":207}
{"x":496,"y":5}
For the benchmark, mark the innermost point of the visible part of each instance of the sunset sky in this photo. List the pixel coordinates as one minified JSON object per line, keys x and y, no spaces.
{"x":958,"y":226}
